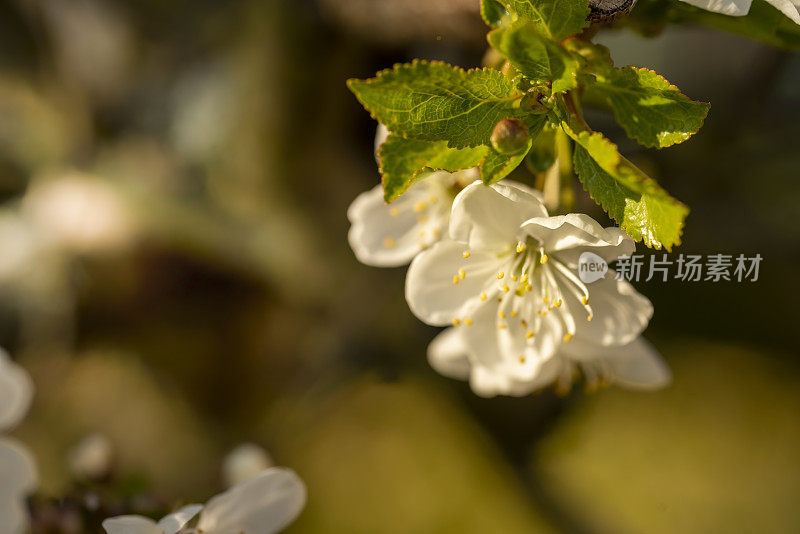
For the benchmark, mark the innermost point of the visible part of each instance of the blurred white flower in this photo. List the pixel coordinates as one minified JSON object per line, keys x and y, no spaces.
{"x":264,"y":504}
{"x":91,"y":458}
{"x":739,"y":8}
{"x":390,"y":235}
{"x":243,"y":463}
{"x":78,"y":213}
{"x":18,"y":474}
{"x":506,"y":278}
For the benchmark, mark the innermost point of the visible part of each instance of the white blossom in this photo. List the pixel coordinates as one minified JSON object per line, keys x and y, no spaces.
{"x":506,"y":279}
{"x":739,"y":8}
{"x":390,"y":235}
{"x":263,"y":504}
{"x":18,"y":474}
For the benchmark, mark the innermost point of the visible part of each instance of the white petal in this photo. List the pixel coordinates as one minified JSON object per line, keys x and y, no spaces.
{"x":489,"y":218}
{"x":380,"y":136}
{"x":566,"y":237}
{"x":736,"y":8}
{"x":16,"y":392}
{"x":504,"y":360}
{"x":18,"y":478}
{"x":130,"y":524}
{"x":378,"y":237}
{"x":788,"y":8}
{"x":620,"y":313}
{"x":447,"y":354}
{"x":262,"y":505}
{"x":431,"y":292}
{"x":177,"y":520}
{"x":638,"y":365}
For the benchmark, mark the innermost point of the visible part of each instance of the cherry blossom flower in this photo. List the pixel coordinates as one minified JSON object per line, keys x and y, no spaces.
{"x":263,"y":504}
{"x":739,"y":8}
{"x":18,"y":474}
{"x":506,"y":278}
{"x":636,"y":365}
{"x":390,"y":235}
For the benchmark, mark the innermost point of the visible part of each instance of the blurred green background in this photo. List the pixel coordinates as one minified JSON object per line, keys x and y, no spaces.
{"x":175,"y":274}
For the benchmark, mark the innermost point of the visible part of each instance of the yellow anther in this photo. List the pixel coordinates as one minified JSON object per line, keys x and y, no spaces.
{"x":499,"y":299}
{"x":501,"y":327}
{"x":524,"y":323}
{"x":466,"y":254}
{"x":514,"y":313}
{"x":524,"y":278}
{"x":504,"y":288}
{"x":585,"y":300}
{"x":514,"y":278}
{"x":543,"y":259}
{"x":388,"y":242}
{"x":520,"y":247}
{"x":419,"y":206}
{"x":455,"y":279}
{"x":529,"y":334}
{"x":589,"y":318}
{"x":538,"y":312}
{"x":500,"y":275}
{"x":544,"y":312}
{"x":462,"y":273}
{"x":456,"y":321}
{"x":436,"y":233}
{"x":522,"y":359}
{"x":558,"y":303}
{"x":483,"y":296}
{"x":467,"y":321}
{"x":502,"y":314}
{"x":567,"y":337}
{"x":394,"y":211}
{"x":545,"y":300}
{"x":528,"y":287}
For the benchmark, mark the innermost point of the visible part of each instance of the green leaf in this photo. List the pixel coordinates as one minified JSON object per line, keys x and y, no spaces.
{"x":648,"y":107}
{"x":493,"y":12}
{"x":403,"y":162}
{"x":634,"y":200}
{"x":438,"y":102}
{"x":556,"y":19}
{"x":535,"y":56}
{"x":496,"y":166}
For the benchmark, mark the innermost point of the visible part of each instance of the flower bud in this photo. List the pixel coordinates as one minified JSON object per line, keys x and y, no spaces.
{"x":243,"y":463}
{"x":510,"y":137}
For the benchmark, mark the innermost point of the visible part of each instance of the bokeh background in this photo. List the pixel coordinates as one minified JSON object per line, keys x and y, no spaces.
{"x":175,"y":274}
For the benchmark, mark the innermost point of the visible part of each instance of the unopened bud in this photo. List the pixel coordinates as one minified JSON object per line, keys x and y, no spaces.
{"x":243,"y":463}
{"x":510,"y":137}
